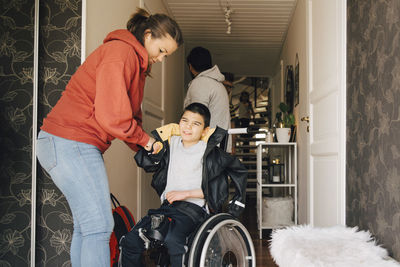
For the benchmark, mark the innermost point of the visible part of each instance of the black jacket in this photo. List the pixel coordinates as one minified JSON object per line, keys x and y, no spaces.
{"x":217,"y":166}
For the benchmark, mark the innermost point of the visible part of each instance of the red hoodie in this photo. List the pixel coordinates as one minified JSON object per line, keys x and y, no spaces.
{"x":102,"y":101}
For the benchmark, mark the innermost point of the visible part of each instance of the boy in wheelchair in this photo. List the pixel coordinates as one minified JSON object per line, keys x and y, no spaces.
{"x":191,"y":178}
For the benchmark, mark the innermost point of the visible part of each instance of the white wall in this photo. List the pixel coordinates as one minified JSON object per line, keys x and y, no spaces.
{"x":296,"y":43}
{"x":174,"y":83}
{"x":276,"y":85}
{"x":104,"y":16}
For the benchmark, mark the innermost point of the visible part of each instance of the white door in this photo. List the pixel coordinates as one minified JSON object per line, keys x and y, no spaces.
{"x":326,"y":38}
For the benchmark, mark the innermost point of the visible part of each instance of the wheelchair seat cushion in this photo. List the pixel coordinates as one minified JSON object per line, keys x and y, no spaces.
{"x":195,"y":212}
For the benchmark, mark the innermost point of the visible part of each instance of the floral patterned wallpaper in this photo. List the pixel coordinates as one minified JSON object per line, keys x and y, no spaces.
{"x":59,"y":56}
{"x":373,"y":119}
{"x":16,"y":88}
{"x":59,"y":51}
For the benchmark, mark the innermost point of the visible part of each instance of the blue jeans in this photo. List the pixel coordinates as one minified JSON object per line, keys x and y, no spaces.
{"x":78,"y":170}
{"x":180,"y":227}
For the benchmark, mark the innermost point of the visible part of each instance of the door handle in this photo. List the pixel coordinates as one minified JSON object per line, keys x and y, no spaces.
{"x":307,"y":119}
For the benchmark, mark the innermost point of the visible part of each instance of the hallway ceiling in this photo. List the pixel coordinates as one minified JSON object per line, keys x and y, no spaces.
{"x":258,"y":31}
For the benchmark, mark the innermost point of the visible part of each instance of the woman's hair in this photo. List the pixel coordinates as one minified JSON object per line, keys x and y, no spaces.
{"x":200,"y":109}
{"x":160,"y":26}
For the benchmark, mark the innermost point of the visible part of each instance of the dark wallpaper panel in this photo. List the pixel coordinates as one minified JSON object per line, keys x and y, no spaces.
{"x":59,"y":57}
{"x":16,"y":88}
{"x":373,"y":119}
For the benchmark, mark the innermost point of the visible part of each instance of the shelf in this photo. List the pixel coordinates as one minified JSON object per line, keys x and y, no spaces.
{"x":287,"y":153}
{"x":276,"y":143}
{"x":277,"y":185}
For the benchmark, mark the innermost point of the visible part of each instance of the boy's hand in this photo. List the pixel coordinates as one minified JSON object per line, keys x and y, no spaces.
{"x":176,"y":196}
{"x":172,"y":196}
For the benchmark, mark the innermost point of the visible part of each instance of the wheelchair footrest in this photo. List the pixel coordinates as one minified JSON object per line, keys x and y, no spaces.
{"x":160,"y":256}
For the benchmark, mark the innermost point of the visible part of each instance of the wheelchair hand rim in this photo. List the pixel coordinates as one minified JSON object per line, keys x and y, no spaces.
{"x":232,"y":222}
{"x":205,"y":226}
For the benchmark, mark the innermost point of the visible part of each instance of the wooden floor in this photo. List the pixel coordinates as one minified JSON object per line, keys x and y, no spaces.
{"x":261,"y":246}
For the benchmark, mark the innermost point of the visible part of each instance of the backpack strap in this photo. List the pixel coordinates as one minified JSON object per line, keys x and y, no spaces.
{"x":114,"y":199}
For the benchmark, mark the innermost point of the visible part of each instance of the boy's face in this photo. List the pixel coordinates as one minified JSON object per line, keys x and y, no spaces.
{"x":191,"y":127}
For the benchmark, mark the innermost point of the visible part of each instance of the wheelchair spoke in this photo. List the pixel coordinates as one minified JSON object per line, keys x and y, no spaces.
{"x":222,"y":241}
{"x":229,"y":260}
{"x":227,"y":248}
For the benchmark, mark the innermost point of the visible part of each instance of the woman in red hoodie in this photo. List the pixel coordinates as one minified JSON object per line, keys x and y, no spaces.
{"x":102,"y":102}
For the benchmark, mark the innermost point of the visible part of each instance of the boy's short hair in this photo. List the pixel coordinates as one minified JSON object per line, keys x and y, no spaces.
{"x":200,"y":59}
{"x":200,"y":109}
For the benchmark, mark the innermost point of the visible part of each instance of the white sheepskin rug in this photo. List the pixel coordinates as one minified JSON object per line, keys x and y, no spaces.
{"x":339,"y":246}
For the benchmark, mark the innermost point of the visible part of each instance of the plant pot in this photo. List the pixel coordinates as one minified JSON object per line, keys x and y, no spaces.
{"x":283,"y":135}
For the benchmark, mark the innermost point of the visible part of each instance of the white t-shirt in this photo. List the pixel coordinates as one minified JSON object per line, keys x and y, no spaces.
{"x":185,"y":168}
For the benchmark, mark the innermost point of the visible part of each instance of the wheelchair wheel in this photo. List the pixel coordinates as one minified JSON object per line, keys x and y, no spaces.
{"x":222,"y":241}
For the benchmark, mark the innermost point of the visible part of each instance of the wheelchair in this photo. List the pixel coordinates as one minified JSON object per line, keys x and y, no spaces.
{"x":220,"y":241}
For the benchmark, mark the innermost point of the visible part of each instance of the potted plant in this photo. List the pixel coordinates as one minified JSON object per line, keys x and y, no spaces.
{"x":284,"y":123}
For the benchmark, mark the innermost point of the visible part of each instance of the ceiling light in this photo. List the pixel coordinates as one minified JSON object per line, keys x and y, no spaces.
{"x":227,"y":13}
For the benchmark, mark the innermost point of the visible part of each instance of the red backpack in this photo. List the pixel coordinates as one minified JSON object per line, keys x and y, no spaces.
{"x":123,"y":223}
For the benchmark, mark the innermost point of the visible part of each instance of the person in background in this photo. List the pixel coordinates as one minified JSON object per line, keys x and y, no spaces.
{"x":101,"y":102}
{"x":207,"y":88}
{"x":246,"y":112}
{"x":188,"y":194}
{"x":228,"y":83}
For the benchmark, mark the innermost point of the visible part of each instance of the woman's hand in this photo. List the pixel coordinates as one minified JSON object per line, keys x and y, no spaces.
{"x":149,"y":144}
